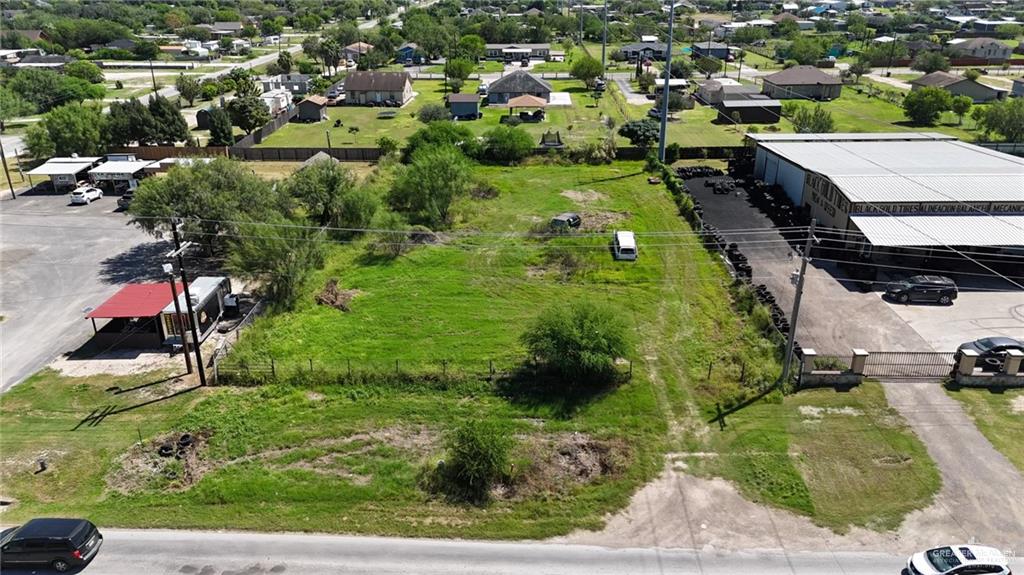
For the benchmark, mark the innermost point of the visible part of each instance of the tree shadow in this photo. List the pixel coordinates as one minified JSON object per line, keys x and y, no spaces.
{"x":142,"y":262}
{"x":535,"y":388}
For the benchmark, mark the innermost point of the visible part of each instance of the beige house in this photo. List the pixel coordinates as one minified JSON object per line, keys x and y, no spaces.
{"x":959,"y":86}
{"x":985,"y":48}
{"x":804,"y":82}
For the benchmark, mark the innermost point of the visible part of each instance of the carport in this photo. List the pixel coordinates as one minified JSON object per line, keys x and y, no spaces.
{"x":64,"y":172}
{"x":134,"y":314}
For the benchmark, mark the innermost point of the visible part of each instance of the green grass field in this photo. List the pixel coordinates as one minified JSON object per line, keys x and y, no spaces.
{"x":312,"y":456}
{"x":1000,"y":417}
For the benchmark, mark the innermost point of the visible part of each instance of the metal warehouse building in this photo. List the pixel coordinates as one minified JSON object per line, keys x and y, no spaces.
{"x":899,"y":190}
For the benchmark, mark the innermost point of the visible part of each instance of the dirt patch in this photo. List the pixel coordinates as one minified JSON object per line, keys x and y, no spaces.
{"x":314,"y":396}
{"x":117,"y":362}
{"x":894,"y":460}
{"x":144,"y":468}
{"x":595,"y":221}
{"x":7,"y":503}
{"x":561,"y":461}
{"x":29,"y":463}
{"x":819,"y":412}
{"x":1017,"y":405}
{"x":584,"y":197}
{"x":336,"y":297}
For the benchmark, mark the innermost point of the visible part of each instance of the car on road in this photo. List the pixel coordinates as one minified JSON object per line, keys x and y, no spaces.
{"x":85,"y":195}
{"x":958,"y":560}
{"x":938,"y":289}
{"x":59,"y":543}
{"x":991,"y":351}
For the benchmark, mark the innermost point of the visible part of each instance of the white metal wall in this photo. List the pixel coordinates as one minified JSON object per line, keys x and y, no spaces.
{"x":772,"y":169}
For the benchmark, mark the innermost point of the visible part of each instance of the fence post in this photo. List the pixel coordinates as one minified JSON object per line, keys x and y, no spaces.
{"x":396,"y":367}
{"x":310,"y":365}
{"x":710,"y":365}
{"x":273,"y":367}
{"x":444,"y":368}
{"x":349,"y":361}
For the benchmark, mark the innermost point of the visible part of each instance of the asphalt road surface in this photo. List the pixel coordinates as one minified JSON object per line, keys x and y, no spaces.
{"x":130,"y":552}
{"x":57,"y":260}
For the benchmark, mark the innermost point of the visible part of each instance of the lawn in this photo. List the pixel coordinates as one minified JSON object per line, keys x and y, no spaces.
{"x":484,"y":67}
{"x":999,"y":416}
{"x":310,"y":453}
{"x":844,"y":459}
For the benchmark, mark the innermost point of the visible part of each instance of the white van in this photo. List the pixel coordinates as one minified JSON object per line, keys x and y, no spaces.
{"x":624,"y":246}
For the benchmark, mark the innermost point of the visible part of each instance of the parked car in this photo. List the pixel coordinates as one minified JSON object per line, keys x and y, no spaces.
{"x":991,"y":351}
{"x":125,"y":200}
{"x":923,"y":288}
{"x":624,"y":246}
{"x":524,"y":62}
{"x":600,"y":85}
{"x":654,"y":113}
{"x":958,"y":560}
{"x":566,"y":220}
{"x":85,"y":195}
{"x":59,"y":543}
{"x":482,"y":89}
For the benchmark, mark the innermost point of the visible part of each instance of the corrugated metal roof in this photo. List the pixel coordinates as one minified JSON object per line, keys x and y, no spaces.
{"x":136,"y":300}
{"x":954,"y":230}
{"x":120,"y":167}
{"x":847,"y":136}
{"x":969,"y":188}
{"x":55,"y":168}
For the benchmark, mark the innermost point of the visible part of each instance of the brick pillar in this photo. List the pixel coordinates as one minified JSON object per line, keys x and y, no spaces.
{"x":1012,"y":364}
{"x":808,"y":361}
{"x":968,"y":358}
{"x":860,"y":357}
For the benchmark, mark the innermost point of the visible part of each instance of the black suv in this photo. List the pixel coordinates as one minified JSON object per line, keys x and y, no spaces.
{"x":125,"y":200}
{"x":60,"y":543}
{"x":937,"y":289}
{"x":566,"y":220}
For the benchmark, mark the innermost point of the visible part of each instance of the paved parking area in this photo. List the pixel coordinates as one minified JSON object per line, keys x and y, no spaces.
{"x":57,"y":260}
{"x":836,"y":315}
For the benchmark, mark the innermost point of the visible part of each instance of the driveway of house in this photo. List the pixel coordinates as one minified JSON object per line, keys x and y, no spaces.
{"x":632,"y":96}
{"x":57,"y":260}
{"x":982,"y":495}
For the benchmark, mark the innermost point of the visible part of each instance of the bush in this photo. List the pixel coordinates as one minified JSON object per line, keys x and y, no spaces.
{"x":513,"y":121}
{"x":579,"y":341}
{"x":507,"y":144}
{"x":478,"y":455}
{"x":593,"y":153}
{"x":433,"y":113}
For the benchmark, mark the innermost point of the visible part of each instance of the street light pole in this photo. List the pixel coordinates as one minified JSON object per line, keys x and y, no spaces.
{"x":581,"y":23}
{"x":188,"y":302}
{"x":665,"y":90}
{"x":791,"y":340}
{"x":178,"y":319}
{"x":604,"y":37}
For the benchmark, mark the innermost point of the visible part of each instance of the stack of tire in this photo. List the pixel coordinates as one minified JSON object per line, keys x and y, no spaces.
{"x":698,"y":172}
{"x":738,"y":261}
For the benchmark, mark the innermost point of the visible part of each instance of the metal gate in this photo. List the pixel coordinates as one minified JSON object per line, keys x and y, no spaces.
{"x":909,"y":364}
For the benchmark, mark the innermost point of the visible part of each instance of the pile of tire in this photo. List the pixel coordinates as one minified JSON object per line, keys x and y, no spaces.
{"x":178,"y":448}
{"x":699,"y":172}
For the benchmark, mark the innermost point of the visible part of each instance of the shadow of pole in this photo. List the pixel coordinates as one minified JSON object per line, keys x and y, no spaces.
{"x":96,"y":417}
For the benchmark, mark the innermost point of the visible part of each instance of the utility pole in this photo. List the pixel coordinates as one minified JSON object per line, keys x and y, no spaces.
{"x":665,"y":90}
{"x":604,"y":37}
{"x":178,"y":319}
{"x":178,"y":249}
{"x":804,"y":258}
{"x":581,"y":23}
{"x":152,"y":75}
{"x":7,"y":171}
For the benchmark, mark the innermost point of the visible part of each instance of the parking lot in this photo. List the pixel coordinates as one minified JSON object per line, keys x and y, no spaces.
{"x":58,"y":260}
{"x":839,"y":314}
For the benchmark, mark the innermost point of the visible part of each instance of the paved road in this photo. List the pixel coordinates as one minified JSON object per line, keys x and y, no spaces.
{"x":982,"y":495}
{"x":215,"y":553}
{"x":56,"y":260}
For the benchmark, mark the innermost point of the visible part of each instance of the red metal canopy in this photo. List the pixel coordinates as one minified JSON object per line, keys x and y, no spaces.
{"x":136,"y":300}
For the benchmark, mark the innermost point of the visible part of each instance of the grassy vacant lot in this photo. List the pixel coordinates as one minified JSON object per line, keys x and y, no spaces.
{"x":312,"y":455}
{"x":842,"y":458}
{"x":1000,"y":417}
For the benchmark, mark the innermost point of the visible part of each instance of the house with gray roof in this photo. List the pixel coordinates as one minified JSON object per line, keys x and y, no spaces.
{"x":365,"y":87}
{"x":515,"y":84}
{"x":644,"y":51}
{"x":959,"y":86}
{"x":517,"y":51}
{"x":804,"y":82}
{"x":988,"y":49}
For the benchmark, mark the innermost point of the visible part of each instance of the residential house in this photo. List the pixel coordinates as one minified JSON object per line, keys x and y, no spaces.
{"x":988,"y":49}
{"x":364,"y":87}
{"x":312,"y":109}
{"x":517,"y":83}
{"x":296,"y":84}
{"x":51,"y":61}
{"x":916,"y":47}
{"x":534,"y":12}
{"x":226,"y":28}
{"x":277,"y":101}
{"x":354,"y":51}
{"x":239,"y":45}
{"x":710,"y":49}
{"x":644,"y":51}
{"x":464,"y":106}
{"x":990,"y":26}
{"x":959,"y":86}
{"x":716,"y":91}
{"x":804,"y":82}
{"x":409,"y":51}
{"x":510,"y":52}
{"x":10,"y":57}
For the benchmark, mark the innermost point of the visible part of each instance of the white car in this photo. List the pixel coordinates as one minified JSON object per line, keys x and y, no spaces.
{"x":958,"y":560}
{"x":85,"y":195}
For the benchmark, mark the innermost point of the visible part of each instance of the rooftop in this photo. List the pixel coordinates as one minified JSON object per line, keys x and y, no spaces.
{"x":136,"y":300}
{"x":944,"y":230}
{"x":802,"y":76}
{"x":120,"y":167}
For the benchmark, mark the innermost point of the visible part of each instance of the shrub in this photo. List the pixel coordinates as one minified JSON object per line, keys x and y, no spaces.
{"x":507,"y":144}
{"x":579,"y":341}
{"x":433,"y":113}
{"x":513,"y":121}
{"x":478,"y":455}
